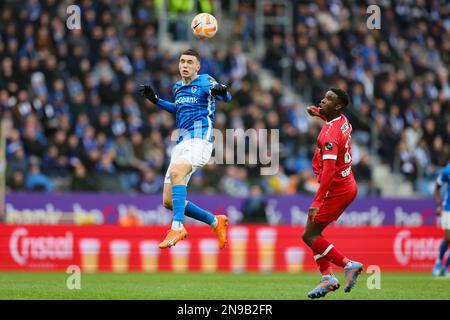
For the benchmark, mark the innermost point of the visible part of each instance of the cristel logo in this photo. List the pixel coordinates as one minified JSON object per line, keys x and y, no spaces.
{"x":24,"y":247}
{"x":407,"y":248}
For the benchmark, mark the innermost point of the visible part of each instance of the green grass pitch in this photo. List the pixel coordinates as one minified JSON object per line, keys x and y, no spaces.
{"x":220,"y":286}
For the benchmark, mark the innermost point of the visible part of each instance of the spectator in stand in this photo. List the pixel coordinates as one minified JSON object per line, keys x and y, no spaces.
{"x":234,"y":182}
{"x":16,"y":181}
{"x":151,"y":182}
{"x":363,"y":174}
{"x":254,"y":207}
{"x":131,"y":219}
{"x":37,"y":181}
{"x":82,"y":181}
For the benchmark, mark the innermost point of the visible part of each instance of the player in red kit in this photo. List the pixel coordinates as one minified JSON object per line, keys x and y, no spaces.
{"x":332,"y":164}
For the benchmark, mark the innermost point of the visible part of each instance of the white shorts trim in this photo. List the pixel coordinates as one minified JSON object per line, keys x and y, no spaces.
{"x":196,"y":151}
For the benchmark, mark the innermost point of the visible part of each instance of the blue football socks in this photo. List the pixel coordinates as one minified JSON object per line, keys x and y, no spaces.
{"x":179,"y":193}
{"x":442,"y":249}
{"x":200,"y":214}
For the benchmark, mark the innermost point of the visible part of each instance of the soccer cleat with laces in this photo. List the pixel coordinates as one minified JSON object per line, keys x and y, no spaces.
{"x":172,"y":237}
{"x":221,"y":230}
{"x":328,"y":283}
{"x":352,"y":271}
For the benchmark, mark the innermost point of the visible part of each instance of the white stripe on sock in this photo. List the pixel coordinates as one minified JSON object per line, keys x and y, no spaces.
{"x":318,"y":256}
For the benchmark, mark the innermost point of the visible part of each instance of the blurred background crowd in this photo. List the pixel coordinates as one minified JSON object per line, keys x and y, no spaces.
{"x":75,"y":121}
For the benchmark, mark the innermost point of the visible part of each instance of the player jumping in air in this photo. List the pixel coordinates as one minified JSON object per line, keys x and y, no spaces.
{"x":194,"y":111}
{"x":443,"y":211}
{"x":332,"y":164}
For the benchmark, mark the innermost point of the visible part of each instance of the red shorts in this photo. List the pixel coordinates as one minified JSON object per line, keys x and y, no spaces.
{"x":334,"y":204}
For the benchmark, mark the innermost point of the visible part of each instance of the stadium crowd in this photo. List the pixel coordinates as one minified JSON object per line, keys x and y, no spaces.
{"x":397,"y":76}
{"x":75,"y":121}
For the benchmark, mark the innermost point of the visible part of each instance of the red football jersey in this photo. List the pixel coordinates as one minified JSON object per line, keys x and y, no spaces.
{"x":334,"y":142}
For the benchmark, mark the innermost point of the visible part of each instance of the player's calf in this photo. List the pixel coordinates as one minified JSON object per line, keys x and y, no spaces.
{"x":168,"y":204}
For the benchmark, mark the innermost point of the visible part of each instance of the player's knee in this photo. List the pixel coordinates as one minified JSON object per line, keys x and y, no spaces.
{"x":176,"y":175}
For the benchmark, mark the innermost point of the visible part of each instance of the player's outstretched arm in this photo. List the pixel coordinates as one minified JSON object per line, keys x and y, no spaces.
{"x":148,"y":92}
{"x":313,"y":111}
{"x":220,"y":92}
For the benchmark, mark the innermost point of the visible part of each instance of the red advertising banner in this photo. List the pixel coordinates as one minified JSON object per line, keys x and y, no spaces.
{"x":256,"y":248}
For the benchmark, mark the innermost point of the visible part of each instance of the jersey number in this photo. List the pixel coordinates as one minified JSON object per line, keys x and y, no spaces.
{"x":347,"y":156}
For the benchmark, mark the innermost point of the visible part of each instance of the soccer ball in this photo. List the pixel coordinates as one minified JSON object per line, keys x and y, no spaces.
{"x":204,"y":25}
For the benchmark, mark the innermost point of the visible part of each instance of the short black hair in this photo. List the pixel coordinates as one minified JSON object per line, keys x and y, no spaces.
{"x":191,"y":52}
{"x":343,"y":97}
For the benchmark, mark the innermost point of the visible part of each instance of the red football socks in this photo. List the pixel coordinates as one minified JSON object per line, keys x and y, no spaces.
{"x":324,"y":249}
{"x":324,"y":266}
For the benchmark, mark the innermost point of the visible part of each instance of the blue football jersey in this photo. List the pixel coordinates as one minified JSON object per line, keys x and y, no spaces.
{"x":194,"y":107}
{"x":444,"y":178}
